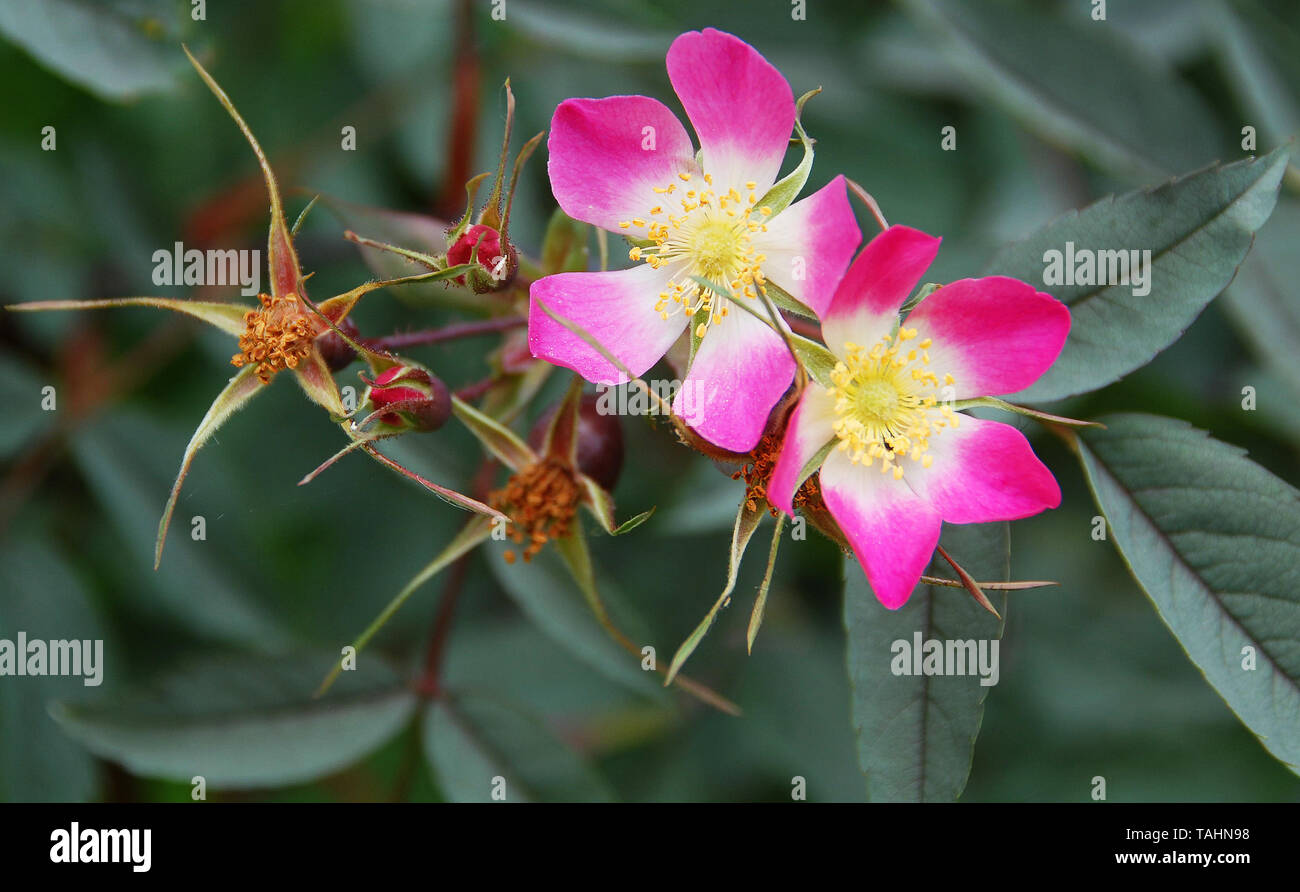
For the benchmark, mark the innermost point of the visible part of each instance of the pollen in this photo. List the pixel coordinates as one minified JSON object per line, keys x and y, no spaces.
{"x":757,"y":472}
{"x":887,"y":403}
{"x":710,"y":239}
{"x":276,"y":337}
{"x":541,"y":501}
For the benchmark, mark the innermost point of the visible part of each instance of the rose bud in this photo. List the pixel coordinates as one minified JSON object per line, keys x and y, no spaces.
{"x":496,"y":264}
{"x":408,"y":396}
{"x":334,"y":350}
{"x":600,"y":441}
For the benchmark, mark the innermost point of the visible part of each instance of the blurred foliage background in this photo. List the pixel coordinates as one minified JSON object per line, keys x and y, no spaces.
{"x":1091,"y":684}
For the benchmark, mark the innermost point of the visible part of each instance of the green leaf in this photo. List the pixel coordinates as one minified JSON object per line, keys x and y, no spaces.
{"x":117,"y":50}
{"x":474,"y":532}
{"x":1198,"y":229}
{"x":244,"y":722}
{"x":227,"y":317}
{"x":545,"y":591}
{"x":20,"y":393}
{"x":43,"y":598}
{"x":1264,"y":82}
{"x":1214,"y":540}
{"x":471,"y":740}
{"x":817,"y":360}
{"x":241,"y":388}
{"x":632,"y":523}
{"x":1262,"y":299}
{"x":747,"y":522}
{"x":498,"y":439}
{"x":1061,"y":78}
{"x":787,"y":301}
{"x":202,"y":589}
{"x":916,"y":733}
{"x":760,"y":600}
{"x":781,"y":195}
{"x":600,"y":503}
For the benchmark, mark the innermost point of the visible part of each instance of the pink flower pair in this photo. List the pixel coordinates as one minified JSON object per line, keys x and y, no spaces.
{"x":902,"y":460}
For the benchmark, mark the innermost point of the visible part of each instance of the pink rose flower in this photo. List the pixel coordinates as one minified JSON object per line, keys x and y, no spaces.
{"x":903,"y":460}
{"x":626,"y":164}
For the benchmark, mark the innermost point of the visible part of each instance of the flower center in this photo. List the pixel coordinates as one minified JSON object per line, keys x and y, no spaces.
{"x":712,"y":239}
{"x":276,"y":337}
{"x":887,"y":402}
{"x":541,"y":501}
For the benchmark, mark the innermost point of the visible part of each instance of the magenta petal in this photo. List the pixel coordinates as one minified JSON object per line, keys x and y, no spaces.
{"x":608,"y":155}
{"x":892,"y":530}
{"x":807,"y":431}
{"x":993,"y":335}
{"x":983,"y":471}
{"x":881,"y":278}
{"x":616,"y":308}
{"x":740,"y":371}
{"x":741,"y":107}
{"x":809,"y":245}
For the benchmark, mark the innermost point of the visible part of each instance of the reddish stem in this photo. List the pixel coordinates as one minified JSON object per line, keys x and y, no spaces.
{"x":402,"y":340}
{"x":463,"y":130}
{"x":429,"y":683}
{"x":470,"y":392}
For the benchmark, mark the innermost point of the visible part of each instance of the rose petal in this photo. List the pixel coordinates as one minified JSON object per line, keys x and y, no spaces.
{"x":893,"y":531}
{"x":740,"y":371}
{"x":883,"y":276}
{"x":741,"y":107}
{"x":993,"y":335}
{"x":616,"y":308}
{"x":983,"y":471}
{"x":608,"y":155}
{"x":809,"y":245}
{"x":807,"y":431}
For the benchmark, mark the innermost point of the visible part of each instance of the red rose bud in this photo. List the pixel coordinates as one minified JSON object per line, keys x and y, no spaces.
{"x":334,"y":350}
{"x":415,"y":398}
{"x":496,"y":264}
{"x":600,"y":441}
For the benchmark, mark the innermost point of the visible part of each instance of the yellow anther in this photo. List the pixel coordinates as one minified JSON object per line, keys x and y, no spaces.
{"x":885,"y":406}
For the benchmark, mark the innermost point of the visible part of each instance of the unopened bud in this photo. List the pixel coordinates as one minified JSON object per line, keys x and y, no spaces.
{"x":412,"y":396}
{"x":497,"y":263}
{"x":334,"y":350}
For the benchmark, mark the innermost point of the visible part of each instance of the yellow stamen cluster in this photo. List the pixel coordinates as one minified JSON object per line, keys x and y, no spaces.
{"x":887,"y":402}
{"x":541,"y":501}
{"x":711,"y":238}
{"x":276,"y":337}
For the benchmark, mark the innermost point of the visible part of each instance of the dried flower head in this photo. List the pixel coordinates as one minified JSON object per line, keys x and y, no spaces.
{"x":758,"y":471}
{"x":541,"y":501}
{"x":276,"y":337}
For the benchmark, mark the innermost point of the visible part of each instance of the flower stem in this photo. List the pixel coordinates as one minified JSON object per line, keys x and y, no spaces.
{"x":429,"y":683}
{"x":402,"y":340}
